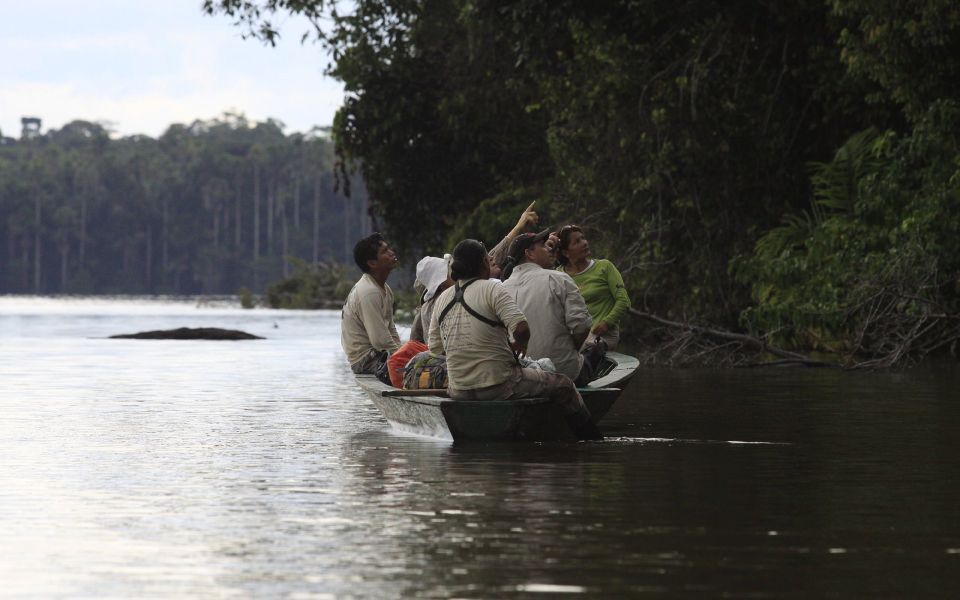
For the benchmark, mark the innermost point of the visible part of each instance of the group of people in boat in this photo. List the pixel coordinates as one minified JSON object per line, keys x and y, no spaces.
{"x":532,"y":317}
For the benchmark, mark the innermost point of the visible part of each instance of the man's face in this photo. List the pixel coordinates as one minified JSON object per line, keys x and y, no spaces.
{"x":386,"y":258}
{"x":541,"y":255}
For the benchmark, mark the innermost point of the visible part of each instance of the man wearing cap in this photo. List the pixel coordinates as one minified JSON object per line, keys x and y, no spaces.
{"x":367,"y":331}
{"x":555,"y":309}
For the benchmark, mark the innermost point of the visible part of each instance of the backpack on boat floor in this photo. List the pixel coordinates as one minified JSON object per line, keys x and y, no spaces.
{"x":399,"y":359}
{"x":425,"y":371}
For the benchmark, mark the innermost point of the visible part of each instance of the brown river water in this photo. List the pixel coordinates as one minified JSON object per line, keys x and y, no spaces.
{"x":166,"y":469}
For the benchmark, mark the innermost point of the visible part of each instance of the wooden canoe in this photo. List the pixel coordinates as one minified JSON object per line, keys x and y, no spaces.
{"x":432,"y":413}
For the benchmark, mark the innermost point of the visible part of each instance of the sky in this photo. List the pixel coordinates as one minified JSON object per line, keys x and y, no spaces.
{"x":142,"y":65}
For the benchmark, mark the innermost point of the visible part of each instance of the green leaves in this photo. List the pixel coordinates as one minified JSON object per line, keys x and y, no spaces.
{"x":310,"y":286}
{"x":880,"y":259}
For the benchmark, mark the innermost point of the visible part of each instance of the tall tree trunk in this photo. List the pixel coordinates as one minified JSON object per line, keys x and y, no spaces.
{"x":64,"y":262}
{"x":296,"y":203}
{"x":165,"y":242}
{"x":11,"y":249}
{"x":363,"y":214}
{"x":347,"y":209}
{"x":283,"y":226}
{"x":148,"y":271}
{"x":271,"y":208}
{"x":238,"y":224}
{"x":216,"y":228}
{"x":82,"y":254}
{"x":256,"y":212}
{"x":25,"y":262}
{"x":316,"y":219}
{"x":37,"y":246}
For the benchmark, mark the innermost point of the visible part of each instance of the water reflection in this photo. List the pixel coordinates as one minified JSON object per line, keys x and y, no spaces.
{"x":137,"y":469}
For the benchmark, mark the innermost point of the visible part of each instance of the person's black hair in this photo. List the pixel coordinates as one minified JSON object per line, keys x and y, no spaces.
{"x":366,"y":249}
{"x":468,"y":259}
{"x":507,"y":268}
{"x":565,"y":233}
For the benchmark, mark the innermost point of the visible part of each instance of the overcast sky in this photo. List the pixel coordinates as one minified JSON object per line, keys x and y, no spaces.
{"x":144,"y":64}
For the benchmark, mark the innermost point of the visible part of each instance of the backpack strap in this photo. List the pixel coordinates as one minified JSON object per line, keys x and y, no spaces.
{"x":458,"y":299}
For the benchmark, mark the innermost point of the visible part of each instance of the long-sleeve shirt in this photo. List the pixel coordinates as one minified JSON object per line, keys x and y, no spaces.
{"x":602,"y":287}
{"x":556,"y":313}
{"x":420,"y":330}
{"x":367,"y":320}
{"x":478,"y":354}
{"x":498,"y":255}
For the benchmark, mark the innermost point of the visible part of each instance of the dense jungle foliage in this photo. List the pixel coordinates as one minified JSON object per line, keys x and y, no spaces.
{"x":205,"y":208}
{"x":786,"y":168}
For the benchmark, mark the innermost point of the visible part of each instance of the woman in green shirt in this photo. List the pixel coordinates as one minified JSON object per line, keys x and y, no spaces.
{"x":599,"y":281}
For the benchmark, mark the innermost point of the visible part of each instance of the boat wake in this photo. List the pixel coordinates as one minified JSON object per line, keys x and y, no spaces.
{"x":664,"y":440}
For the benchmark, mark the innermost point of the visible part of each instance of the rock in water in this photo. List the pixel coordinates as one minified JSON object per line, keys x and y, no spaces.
{"x":190,"y":333}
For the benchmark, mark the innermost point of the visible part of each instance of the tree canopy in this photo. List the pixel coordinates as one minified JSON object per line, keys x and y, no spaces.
{"x":206,"y":208}
{"x":786,"y":167}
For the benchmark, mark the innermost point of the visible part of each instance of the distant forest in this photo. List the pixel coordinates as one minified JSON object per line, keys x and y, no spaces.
{"x":206,"y":208}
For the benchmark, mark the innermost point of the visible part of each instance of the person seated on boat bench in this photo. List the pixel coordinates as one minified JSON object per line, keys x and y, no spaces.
{"x":428,"y":272}
{"x":472,"y":324}
{"x":433,"y":276}
{"x":367,"y":330}
{"x":555,"y":310}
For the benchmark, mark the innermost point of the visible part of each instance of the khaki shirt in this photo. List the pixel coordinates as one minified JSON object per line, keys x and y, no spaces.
{"x":555,"y":311}
{"x":478,"y":354}
{"x":367,"y":320}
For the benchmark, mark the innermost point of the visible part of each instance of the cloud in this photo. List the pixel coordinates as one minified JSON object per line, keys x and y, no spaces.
{"x":142,"y":74}
{"x":73,"y":43}
{"x":150,"y":111}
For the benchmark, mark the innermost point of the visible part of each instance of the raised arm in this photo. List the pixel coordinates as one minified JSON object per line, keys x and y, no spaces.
{"x":529,"y":218}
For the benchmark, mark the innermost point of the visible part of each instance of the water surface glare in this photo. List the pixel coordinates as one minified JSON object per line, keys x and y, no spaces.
{"x":141,"y":468}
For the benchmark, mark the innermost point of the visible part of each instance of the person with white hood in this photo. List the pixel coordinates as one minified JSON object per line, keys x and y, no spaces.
{"x":433,"y":276}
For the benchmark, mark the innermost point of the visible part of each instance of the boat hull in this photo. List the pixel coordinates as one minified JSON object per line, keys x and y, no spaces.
{"x":526,"y":419}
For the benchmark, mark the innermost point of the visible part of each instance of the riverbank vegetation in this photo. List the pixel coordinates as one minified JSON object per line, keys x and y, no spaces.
{"x":206,"y":208}
{"x":310,"y":286}
{"x":784,"y":171}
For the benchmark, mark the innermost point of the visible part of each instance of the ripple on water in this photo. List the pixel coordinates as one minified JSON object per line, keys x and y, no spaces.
{"x":198,"y":469}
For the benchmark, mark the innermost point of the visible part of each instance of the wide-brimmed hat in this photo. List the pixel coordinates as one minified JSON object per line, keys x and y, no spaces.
{"x":431,"y":272}
{"x":522,"y":242}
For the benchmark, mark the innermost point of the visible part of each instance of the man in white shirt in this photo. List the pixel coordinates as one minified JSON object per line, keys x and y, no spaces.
{"x":472,"y":323}
{"x":367,"y":331}
{"x":555,"y":309}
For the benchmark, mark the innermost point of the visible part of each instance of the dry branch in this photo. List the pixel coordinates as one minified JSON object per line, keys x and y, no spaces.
{"x":691,"y":343}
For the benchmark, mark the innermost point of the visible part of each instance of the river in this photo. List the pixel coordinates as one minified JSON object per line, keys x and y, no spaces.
{"x":135,"y":468}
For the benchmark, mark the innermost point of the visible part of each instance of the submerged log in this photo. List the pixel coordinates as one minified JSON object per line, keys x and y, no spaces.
{"x":190,"y":333}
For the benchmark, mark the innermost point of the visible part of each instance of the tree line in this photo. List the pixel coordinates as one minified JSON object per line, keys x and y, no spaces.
{"x":206,"y":208}
{"x":786,"y":169}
